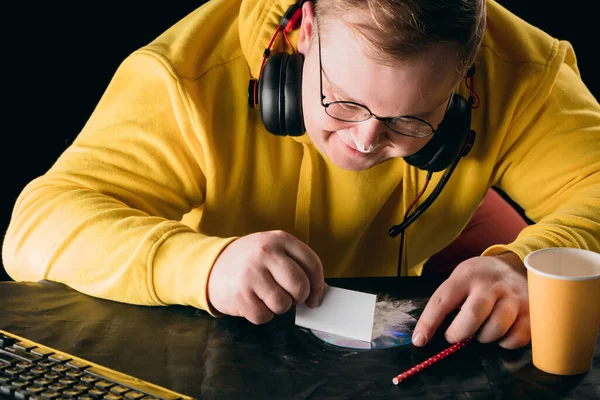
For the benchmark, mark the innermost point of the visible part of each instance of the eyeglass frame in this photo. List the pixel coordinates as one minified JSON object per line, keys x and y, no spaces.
{"x":386,"y":120}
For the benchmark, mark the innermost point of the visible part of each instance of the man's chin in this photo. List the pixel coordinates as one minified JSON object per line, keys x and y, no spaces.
{"x":353,"y":163}
{"x":346,"y":157}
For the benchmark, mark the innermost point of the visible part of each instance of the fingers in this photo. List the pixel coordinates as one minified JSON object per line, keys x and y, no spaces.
{"x":472,"y":314}
{"x":504,"y":323}
{"x":253,"y":309}
{"x":308,"y":260}
{"x":502,"y":317}
{"x":444,"y":300}
{"x":287,"y":274}
{"x":284,"y":276}
{"x":278,"y":291}
{"x":518,"y":335}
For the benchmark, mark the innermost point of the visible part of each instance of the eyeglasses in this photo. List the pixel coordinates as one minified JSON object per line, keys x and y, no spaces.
{"x":349,"y":111}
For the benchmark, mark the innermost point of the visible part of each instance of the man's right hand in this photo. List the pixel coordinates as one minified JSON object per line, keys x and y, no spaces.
{"x":263,"y":274}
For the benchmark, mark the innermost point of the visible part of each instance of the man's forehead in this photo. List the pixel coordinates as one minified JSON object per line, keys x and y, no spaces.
{"x":416,"y":85}
{"x":411,"y":88}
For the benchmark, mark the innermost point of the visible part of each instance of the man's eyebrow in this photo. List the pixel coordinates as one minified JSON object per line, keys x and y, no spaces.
{"x":346,"y":97}
{"x":338,"y":90}
{"x":423,"y":115}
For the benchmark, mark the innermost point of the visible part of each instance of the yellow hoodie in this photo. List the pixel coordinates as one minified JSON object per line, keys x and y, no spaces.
{"x":172,"y":166}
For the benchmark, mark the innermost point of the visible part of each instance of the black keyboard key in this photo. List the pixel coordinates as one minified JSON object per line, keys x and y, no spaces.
{"x":60,"y":357}
{"x":102,"y":384}
{"x":71,"y":392}
{"x":68,"y":381}
{"x":119,"y":389}
{"x":134,"y":395}
{"x":46,"y":363}
{"x":96,"y":392}
{"x":22,"y":354}
{"x":131,"y":382}
{"x":21,"y":394}
{"x":6,"y":389}
{"x":25,"y":345}
{"x":15,"y":371}
{"x":111,"y":396}
{"x":37,"y":370}
{"x":53,"y":375}
{"x":6,"y":341}
{"x":28,"y":376}
{"x":8,"y":358}
{"x":19,"y":383}
{"x":50,"y":394}
{"x":81,"y":387}
{"x":85,"y":397}
{"x":35,"y":389}
{"x":78,"y":364}
{"x":43,"y":381}
{"x":57,"y":386}
{"x":88,"y":379}
{"x":6,"y":378}
{"x":74,"y":373}
{"x":25,"y":364}
{"x":60,"y":368}
{"x":4,"y":364}
{"x":42,"y":351}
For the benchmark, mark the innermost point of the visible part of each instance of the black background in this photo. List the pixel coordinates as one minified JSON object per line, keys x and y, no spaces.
{"x":56,"y":59}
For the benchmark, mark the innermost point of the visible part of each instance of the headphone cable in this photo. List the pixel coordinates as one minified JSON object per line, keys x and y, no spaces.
{"x":395,"y":230}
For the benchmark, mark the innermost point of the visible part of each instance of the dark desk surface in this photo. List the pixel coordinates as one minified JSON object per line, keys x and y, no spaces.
{"x":228,"y":358}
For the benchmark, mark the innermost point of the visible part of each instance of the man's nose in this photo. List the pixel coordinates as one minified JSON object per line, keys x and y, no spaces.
{"x":368,"y":132}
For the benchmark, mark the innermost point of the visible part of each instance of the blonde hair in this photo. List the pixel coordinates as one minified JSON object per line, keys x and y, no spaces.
{"x":396,"y":29}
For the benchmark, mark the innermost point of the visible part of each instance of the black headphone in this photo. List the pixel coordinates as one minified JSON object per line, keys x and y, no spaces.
{"x":278,"y":95}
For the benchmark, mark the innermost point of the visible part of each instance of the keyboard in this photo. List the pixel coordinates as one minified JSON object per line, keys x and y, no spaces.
{"x":32,"y":371}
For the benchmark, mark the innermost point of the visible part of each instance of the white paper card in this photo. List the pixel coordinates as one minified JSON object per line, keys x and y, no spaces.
{"x":343,"y":312}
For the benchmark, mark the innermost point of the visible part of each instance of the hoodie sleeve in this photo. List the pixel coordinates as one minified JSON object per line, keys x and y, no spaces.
{"x":550,"y":162}
{"x":105,"y":219}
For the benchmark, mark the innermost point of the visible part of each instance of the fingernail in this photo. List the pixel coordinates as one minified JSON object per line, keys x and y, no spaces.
{"x":312,"y":302}
{"x":419,"y":339}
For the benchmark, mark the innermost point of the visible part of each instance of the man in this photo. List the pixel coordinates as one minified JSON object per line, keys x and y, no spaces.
{"x":175,"y":193}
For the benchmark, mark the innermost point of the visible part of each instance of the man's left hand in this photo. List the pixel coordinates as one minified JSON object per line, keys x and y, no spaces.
{"x":492,"y":295}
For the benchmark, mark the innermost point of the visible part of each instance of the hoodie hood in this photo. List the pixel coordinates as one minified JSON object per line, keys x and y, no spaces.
{"x":258,"y":20}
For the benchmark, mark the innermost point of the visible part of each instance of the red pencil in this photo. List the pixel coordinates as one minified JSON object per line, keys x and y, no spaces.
{"x":432,"y":360}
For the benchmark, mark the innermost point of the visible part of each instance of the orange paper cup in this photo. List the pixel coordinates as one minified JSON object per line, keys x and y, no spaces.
{"x":564,"y":306}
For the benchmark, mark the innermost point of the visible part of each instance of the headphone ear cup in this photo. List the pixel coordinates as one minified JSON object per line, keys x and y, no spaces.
{"x":448,"y":141}
{"x":292,"y":96}
{"x":268,"y":93}
{"x":280,"y":94}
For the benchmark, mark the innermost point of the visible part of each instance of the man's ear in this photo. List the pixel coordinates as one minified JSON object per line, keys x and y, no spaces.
{"x":306,"y":27}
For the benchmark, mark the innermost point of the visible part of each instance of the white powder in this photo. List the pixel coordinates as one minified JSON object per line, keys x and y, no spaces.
{"x":361,"y":147}
{"x":393,"y":313}
{"x":346,"y":136}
